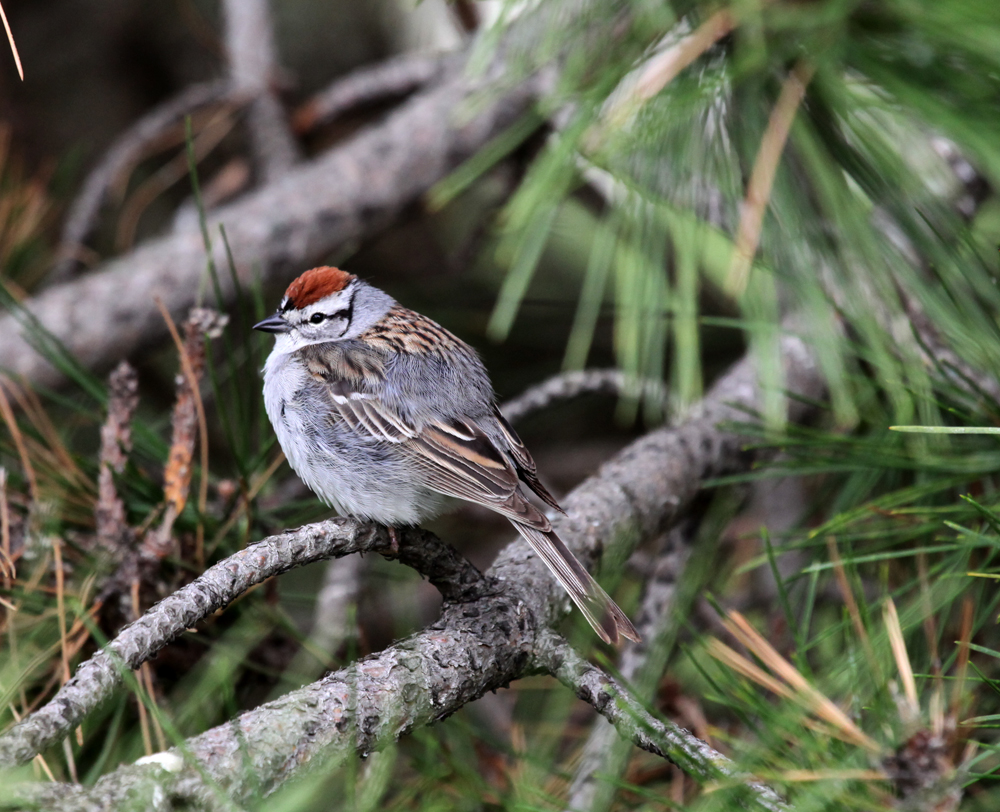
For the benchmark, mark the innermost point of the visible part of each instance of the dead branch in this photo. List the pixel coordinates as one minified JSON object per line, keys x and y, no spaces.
{"x":317,"y":207}
{"x":568,"y":385}
{"x":124,"y":153}
{"x":393,"y":78}
{"x":187,"y":422}
{"x":479,"y":644}
{"x":113,"y":532}
{"x":253,"y":66}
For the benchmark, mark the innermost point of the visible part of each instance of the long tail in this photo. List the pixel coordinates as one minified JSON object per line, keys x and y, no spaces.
{"x":601,"y":612}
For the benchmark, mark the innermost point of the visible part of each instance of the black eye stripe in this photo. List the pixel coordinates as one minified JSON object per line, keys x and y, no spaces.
{"x":316,"y":318}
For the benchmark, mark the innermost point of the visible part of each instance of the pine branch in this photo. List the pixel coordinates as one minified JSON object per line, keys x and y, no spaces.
{"x":479,"y":644}
{"x":635,"y":723}
{"x":96,"y":679}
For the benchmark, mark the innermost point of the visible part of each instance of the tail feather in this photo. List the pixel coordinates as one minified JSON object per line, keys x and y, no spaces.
{"x":596,"y":605}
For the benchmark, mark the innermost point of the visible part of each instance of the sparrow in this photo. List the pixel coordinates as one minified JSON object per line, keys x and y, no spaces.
{"x":387,"y":416}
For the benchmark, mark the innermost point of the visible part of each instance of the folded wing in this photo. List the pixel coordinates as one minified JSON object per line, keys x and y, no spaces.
{"x":457,"y":458}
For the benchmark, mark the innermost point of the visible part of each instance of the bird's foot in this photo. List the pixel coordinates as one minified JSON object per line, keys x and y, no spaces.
{"x":393,"y":540}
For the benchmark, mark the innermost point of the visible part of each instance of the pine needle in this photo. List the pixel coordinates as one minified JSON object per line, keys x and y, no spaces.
{"x":13,"y":45}
{"x":663,"y":68}
{"x":765,"y":167}
{"x":852,"y":606}
{"x":963,"y":657}
{"x":15,"y":432}
{"x":7,"y":566}
{"x":808,"y":694}
{"x":902,"y":658}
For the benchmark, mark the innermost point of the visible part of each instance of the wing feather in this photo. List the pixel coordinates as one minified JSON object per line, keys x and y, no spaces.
{"x":457,"y":458}
{"x":524,"y":462}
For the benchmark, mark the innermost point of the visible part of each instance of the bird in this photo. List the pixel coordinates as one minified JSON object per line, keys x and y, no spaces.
{"x":388,"y":417}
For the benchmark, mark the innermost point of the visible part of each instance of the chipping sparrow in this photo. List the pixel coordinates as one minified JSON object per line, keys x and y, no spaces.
{"x":384,"y":414}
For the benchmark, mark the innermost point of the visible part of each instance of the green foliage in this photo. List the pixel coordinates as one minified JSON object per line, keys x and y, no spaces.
{"x":862,"y":187}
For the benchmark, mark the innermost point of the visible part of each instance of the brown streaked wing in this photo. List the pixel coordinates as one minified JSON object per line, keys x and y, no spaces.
{"x":367,"y":415}
{"x":455,"y":456}
{"x":524,"y":461}
{"x":459,"y":460}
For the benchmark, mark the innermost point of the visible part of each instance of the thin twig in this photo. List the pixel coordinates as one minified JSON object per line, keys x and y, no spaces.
{"x":124,"y":153}
{"x":567,"y":385}
{"x":393,"y":78}
{"x":633,"y":722}
{"x":253,"y":67}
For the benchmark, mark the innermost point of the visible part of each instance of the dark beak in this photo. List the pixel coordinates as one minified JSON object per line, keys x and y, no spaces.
{"x":273,"y":324}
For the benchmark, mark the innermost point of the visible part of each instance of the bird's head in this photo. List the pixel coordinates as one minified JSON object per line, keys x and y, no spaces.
{"x":325,"y":304}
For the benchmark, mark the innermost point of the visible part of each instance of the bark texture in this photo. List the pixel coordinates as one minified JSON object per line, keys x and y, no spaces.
{"x":218,"y":586}
{"x":633,"y":722}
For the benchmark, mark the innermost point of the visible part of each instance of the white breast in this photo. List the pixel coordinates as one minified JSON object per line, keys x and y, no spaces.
{"x":358,"y":476}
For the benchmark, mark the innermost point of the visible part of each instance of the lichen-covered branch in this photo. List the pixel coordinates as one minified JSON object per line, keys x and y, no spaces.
{"x":635,"y":723}
{"x":219,"y":585}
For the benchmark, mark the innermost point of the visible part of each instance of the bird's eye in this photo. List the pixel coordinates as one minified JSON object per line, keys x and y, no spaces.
{"x":316,"y":318}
